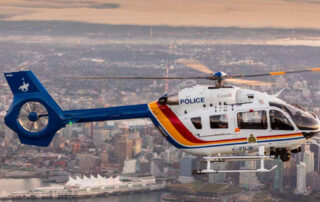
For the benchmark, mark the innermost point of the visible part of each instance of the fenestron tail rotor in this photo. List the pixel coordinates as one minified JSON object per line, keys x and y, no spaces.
{"x":33,"y":116}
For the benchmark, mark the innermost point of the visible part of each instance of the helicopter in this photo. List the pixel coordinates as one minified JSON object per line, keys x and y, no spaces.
{"x":217,"y":121}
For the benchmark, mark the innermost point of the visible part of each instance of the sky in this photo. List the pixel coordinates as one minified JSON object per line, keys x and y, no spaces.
{"x":203,"y":13}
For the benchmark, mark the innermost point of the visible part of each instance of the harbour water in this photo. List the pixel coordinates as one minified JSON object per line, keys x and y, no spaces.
{"x":12,"y":185}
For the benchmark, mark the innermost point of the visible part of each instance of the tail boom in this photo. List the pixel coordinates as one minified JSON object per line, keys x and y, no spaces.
{"x":110,"y":113}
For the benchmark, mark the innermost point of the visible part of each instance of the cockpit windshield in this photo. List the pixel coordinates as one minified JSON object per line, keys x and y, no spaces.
{"x":303,"y":119}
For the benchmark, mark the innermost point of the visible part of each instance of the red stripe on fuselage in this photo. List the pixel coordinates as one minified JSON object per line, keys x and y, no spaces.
{"x":183,"y":130}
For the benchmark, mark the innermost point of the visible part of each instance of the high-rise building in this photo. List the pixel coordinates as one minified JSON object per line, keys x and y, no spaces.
{"x":76,"y":147}
{"x":312,"y":180}
{"x":187,"y":165}
{"x":130,"y":166}
{"x":171,"y":155}
{"x":104,"y":159}
{"x":218,"y":177}
{"x":316,"y":151}
{"x":249,"y":180}
{"x":137,"y":143}
{"x":308,"y":159}
{"x":156,"y":167}
{"x":88,"y":161}
{"x":123,"y":149}
{"x":290,"y":174}
{"x":278,"y":176}
{"x":301,"y":178}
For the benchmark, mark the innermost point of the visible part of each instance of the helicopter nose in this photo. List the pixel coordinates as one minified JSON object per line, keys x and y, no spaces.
{"x":315,"y":132}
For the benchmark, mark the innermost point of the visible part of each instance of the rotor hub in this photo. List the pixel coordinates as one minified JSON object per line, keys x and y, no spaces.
{"x":220,"y":74}
{"x":33,"y":116}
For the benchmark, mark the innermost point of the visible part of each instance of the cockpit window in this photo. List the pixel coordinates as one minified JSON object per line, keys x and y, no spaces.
{"x":196,"y":121}
{"x":219,"y":121}
{"x":279,"y":121}
{"x":252,"y":120}
{"x":303,"y":120}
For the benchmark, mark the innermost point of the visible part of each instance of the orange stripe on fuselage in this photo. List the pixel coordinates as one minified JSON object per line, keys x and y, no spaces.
{"x":168,"y":126}
{"x":172,"y":127}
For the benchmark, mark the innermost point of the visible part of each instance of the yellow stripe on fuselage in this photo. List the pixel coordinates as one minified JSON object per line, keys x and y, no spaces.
{"x":280,"y":136}
{"x":166,"y":123}
{"x":179,"y":138}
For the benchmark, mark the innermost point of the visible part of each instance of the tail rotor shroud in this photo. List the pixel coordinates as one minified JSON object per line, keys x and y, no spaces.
{"x":33,"y":117}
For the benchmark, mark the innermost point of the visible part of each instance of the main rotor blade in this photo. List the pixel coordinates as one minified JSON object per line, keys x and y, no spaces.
{"x":195,"y":64}
{"x":249,"y":82}
{"x":315,"y":69}
{"x":138,"y":77}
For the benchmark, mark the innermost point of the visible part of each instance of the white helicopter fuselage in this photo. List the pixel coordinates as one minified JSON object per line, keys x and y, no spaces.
{"x":205,"y":120}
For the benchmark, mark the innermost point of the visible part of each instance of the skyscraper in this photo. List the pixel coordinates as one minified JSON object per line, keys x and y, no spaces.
{"x":316,"y":151}
{"x":123,"y":149}
{"x":187,"y":165}
{"x":308,"y":159}
{"x":218,"y":177}
{"x":249,"y":180}
{"x":301,"y":178}
{"x":278,"y":176}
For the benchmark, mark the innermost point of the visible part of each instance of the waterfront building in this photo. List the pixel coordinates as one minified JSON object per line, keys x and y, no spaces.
{"x":88,"y":187}
{"x":130,"y":166}
{"x":187,"y":165}
{"x":144,"y":165}
{"x":156,"y":167}
{"x":88,"y":161}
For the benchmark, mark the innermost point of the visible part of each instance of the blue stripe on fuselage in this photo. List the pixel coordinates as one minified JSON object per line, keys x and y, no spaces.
{"x":180,"y":146}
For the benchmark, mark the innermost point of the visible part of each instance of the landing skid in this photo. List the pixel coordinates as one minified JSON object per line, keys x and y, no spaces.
{"x":261,"y":157}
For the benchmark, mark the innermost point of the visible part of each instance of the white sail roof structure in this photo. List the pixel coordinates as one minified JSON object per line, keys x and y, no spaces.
{"x":93,"y":181}
{"x":71,"y":182}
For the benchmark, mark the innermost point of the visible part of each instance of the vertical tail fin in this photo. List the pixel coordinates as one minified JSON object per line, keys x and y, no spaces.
{"x":33,"y":114}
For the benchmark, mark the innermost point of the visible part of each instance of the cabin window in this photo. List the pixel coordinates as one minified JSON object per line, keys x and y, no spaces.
{"x":196,"y":121}
{"x":279,"y":121}
{"x":252,"y":120}
{"x":219,"y":121}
